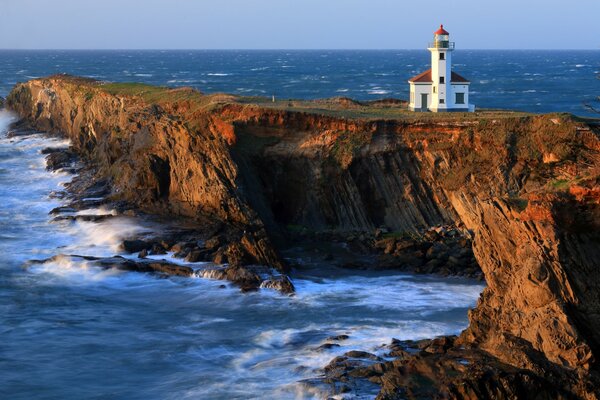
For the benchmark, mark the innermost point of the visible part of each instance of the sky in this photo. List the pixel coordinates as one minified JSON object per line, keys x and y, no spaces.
{"x":297,"y":24}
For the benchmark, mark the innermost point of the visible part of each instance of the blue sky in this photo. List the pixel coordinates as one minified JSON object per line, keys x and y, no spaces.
{"x":296,"y":24}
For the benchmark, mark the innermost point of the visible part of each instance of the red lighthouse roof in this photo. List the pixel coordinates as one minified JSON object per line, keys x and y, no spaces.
{"x":441,"y":31}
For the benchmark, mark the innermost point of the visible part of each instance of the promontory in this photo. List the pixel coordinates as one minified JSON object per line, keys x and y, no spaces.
{"x":523,"y":190}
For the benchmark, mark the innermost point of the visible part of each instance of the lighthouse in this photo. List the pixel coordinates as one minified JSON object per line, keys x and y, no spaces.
{"x":440,"y":89}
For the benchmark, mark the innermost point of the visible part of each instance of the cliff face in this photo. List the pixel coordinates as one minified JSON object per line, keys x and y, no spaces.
{"x":526,"y":186}
{"x":153,"y":158}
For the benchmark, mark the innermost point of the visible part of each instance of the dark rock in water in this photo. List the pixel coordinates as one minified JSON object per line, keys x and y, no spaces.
{"x":195,"y":256}
{"x":84,"y":217}
{"x":61,"y":210}
{"x":327,"y":346}
{"x":50,"y":150}
{"x":338,"y":338}
{"x":281,"y":283}
{"x":162,"y":267}
{"x":158,"y":249}
{"x":171,"y":269}
{"x":124,"y":264}
{"x":248,"y":278}
{"x":363,"y":355}
{"x":143,"y":253}
{"x":134,"y":246}
{"x":59,"y":158}
{"x":244,"y":277}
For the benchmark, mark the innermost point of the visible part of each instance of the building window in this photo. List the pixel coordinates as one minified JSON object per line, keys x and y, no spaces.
{"x":434,"y":89}
{"x":442,"y":79}
{"x":442,"y":56}
{"x":442,"y":101}
{"x":460,"y":98}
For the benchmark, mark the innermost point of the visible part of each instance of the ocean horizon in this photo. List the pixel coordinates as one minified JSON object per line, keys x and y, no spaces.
{"x":539,"y":81}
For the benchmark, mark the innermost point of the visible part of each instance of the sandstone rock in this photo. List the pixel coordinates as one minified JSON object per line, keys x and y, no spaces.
{"x":220,"y":257}
{"x":213,"y":243}
{"x":195,"y":256}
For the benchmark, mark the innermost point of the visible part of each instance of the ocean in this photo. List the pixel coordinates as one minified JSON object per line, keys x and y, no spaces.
{"x":526,"y":80}
{"x":71,"y":331}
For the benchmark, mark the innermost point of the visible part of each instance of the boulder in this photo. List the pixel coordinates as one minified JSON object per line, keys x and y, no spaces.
{"x":134,"y":246}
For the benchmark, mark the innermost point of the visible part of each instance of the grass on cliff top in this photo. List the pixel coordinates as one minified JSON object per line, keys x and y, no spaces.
{"x":153,"y":94}
{"x":385,"y":109}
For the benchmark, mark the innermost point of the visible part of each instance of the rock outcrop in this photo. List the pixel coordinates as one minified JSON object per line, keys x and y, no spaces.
{"x":525,"y":186}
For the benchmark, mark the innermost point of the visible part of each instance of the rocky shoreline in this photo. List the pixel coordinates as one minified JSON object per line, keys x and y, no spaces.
{"x":443,"y":250}
{"x":177,"y":241}
{"x":521,"y":191}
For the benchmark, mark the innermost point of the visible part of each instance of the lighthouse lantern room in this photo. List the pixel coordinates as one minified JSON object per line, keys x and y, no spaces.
{"x":439,"y":89}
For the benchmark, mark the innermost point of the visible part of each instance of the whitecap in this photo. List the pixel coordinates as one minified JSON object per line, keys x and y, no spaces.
{"x":217,"y":74}
{"x":378,"y":92}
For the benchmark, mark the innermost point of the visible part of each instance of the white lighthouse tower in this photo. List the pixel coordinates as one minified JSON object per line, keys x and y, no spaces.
{"x":439,"y":89}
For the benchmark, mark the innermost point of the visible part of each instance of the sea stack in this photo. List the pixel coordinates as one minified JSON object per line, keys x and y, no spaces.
{"x":439,"y":89}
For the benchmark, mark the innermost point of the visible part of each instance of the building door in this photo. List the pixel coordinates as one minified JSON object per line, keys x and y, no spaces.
{"x":423,"y":101}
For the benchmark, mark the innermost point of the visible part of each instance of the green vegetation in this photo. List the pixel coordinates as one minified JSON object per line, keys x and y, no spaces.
{"x":559,"y":184}
{"x":518,"y":203}
{"x":349,"y":109}
{"x":348,"y":145}
{"x":153,"y":94}
{"x":89,"y":95}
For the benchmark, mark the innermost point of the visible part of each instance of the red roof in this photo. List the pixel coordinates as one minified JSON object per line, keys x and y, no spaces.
{"x":441,"y":31}
{"x":458,"y":79}
{"x":425,"y":77}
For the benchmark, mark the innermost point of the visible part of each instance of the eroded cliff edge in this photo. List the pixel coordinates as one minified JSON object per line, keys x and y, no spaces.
{"x":527,"y":187}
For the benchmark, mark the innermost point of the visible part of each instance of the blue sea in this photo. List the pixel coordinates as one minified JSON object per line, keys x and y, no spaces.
{"x":71,"y":331}
{"x":535,"y":81}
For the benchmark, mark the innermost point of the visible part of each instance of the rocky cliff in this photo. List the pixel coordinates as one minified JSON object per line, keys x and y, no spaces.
{"x":525,"y":186}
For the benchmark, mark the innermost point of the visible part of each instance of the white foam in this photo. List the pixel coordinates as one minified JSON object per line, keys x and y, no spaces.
{"x":101,"y":239}
{"x":64,"y":268}
{"x":378,"y":92}
{"x":102,"y":210}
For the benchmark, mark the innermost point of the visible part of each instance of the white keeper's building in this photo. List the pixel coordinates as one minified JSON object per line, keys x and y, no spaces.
{"x":439,"y":89}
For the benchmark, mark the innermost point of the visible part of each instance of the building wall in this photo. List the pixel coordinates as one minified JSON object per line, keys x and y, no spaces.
{"x":441,"y":68}
{"x":459,"y":88}
{"x":415,"y":95}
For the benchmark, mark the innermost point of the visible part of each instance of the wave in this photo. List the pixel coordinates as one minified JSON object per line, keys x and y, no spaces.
{"x":378,"y":92}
